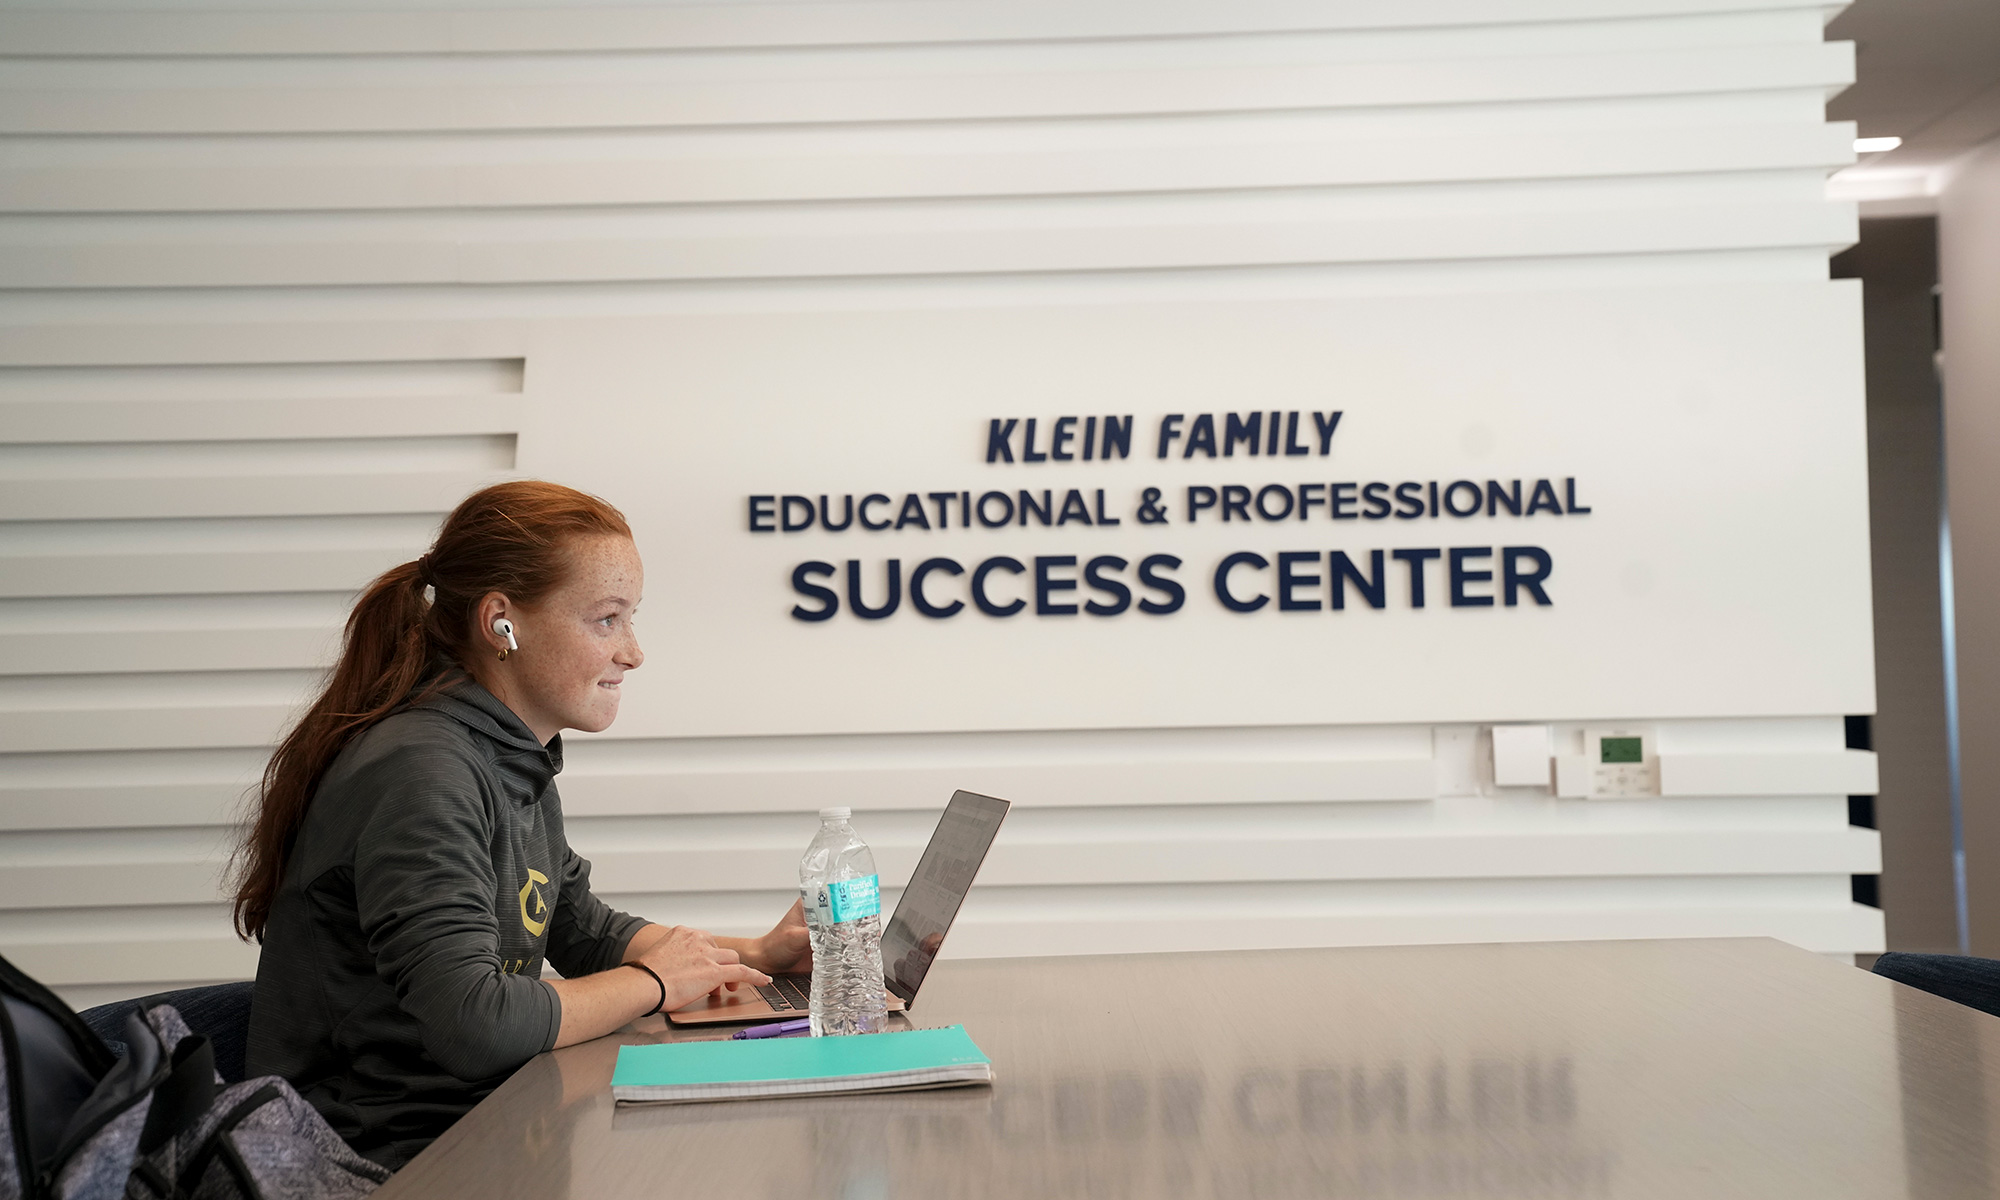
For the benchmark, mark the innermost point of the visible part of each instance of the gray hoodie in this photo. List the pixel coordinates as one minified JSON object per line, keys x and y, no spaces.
{"x":400,"y":979}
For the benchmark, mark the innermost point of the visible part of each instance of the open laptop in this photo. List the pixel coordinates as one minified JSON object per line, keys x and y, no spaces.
{"x":915,"y":931}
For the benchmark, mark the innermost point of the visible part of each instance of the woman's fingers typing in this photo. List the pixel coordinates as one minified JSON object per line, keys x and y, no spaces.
{"x":691,"y":985}
{"x":692,"y":965}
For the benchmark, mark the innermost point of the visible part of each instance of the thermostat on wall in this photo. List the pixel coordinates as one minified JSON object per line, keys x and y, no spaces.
{"x":1621,"y":762}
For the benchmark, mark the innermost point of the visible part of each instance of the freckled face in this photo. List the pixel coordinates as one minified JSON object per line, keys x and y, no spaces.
{"x":577,"y":644}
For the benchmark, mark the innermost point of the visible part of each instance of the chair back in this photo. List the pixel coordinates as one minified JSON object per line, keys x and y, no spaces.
{"x":219,"y":1012}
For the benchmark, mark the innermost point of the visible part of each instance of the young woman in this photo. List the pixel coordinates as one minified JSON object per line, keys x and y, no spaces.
{"x":407,"y":871}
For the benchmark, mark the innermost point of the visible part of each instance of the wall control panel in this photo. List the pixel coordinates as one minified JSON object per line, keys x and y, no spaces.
{"x":1621,"y":762}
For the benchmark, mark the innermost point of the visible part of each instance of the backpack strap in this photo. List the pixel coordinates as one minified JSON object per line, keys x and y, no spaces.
{"x":91,"y":1052}
{"x":183,"y":1097}
{"x":19,"y":984}
{"x":217,"y":1143}
{"x":14,"y":1097}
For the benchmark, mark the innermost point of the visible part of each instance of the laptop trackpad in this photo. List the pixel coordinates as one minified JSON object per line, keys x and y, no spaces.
{"x":742,"y":997}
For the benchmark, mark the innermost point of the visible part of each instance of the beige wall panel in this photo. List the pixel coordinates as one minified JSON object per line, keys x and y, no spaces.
{"x":271,"y":279}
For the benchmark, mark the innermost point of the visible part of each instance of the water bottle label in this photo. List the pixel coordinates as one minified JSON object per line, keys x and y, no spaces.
{"x":854,"y":899}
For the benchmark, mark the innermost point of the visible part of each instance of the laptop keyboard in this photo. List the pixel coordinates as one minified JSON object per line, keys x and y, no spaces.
{"x":788,"y":992}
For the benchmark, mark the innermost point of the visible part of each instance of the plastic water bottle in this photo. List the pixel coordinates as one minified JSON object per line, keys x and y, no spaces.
{"x":843,"y":902}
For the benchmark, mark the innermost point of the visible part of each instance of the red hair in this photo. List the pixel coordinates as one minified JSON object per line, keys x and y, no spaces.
{"x":511,"y":538}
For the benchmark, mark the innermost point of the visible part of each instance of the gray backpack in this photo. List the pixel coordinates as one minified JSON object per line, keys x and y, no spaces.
{"x":156,"y":1124}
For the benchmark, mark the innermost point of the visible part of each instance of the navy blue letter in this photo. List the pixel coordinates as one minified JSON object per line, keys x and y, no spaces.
{"x":1150,"y":576}
{"x":1118,"y":436}
{"x":1373,"y":587}
{"x":997,"y":439}
{"x":830,"y":603}
{"x":979,"y":574}
{"x":1028,"y":452}
{"x":1460,"y":577}
{"x":1513,"y":577}
{"x":1325,"y":425}
{"x":917,"y":587}
{"x":854,"y":590}
{"x":1222,"y":592}
{"x":1093,"y":574}
{"x":1044,"y":586}
{"x":1288,"y":580}
{"x":1416,"y":559}
{"x":1065,"y":434}
{"x":872,"y":498}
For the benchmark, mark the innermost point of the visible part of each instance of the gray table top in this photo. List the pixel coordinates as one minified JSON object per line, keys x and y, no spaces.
{"x":1614,"y":1069}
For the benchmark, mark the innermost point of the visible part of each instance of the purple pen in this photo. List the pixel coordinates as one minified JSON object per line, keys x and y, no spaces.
{"x":778,"y":1030}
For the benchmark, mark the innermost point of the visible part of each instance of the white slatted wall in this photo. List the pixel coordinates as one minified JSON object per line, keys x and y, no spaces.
{"x":265,"y":281}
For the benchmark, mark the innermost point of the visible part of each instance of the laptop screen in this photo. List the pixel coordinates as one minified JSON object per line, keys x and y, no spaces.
{"x":943,"y":875}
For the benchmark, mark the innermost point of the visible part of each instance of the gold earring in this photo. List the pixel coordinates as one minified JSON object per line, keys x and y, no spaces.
{"x":503,"y":654}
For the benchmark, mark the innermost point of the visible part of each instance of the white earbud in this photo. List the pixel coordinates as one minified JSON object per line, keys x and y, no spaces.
{"x":502,"y":627}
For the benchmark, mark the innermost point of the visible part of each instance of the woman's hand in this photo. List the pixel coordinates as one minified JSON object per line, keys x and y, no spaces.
{"x":786,"y":950}
{"x":692,"y":965}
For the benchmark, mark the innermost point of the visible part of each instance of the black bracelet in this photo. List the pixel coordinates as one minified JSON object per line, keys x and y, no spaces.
{"x":656,"y":979}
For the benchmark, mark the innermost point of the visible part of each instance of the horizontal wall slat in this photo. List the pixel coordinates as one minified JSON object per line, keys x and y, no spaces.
{"x":1824,"y":930}
{"x":1219,"y":89}
{"x":1070,"y":784}
{"x":784,"y":175}
{"x":192,"y":379}
{"x":152,"y":325}
{"x":170,"y":614}
{"x":1141,"y":859}
{"x":127,"y":883}
{"x":79,"y":499}
{"x":1847,"y":773}
{"x":181,"y":650}
{"x":142,"y":728}
{"x":611,"y":753}
{"x":1114,"y":242}
{"x":165,"y":962}
{"x":333,"y":457}
{"x":1111,"y":57}
{"x":827,"y":146}
{"x":134,"y":806}
{"x":709,"y":26}
{"x":1021,"y":871}
{"x":32,"y":421}
{"x":1147,"y":858}
{"x":196,"y":573}
{"x":888,"y":789}
{"x":1044,"y":208}
{"x":177,"y":804}
{"x":185,"y":337}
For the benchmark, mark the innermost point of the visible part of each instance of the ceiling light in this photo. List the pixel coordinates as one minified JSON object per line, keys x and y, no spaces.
{"x":1876,"y":145}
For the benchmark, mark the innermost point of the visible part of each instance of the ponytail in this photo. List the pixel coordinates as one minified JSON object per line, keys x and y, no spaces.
{"x":399,"y":646}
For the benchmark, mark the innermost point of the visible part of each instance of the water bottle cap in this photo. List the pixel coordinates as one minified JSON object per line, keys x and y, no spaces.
{"x":835,"y":814}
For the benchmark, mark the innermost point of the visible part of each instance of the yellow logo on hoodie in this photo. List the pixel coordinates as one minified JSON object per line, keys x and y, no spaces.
{"x":532,"y":904}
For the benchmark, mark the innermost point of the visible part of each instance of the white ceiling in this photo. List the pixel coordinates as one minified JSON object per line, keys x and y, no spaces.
{"x":1928,"y":71}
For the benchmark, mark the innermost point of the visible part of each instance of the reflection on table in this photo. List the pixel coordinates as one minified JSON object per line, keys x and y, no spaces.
{"x":1681,"y":1069}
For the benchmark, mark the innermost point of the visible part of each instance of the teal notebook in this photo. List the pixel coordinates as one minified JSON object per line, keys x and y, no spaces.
{"x":683,"y":1072}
